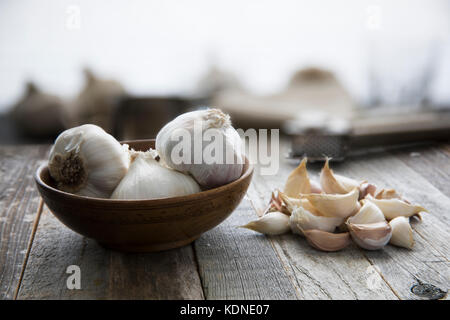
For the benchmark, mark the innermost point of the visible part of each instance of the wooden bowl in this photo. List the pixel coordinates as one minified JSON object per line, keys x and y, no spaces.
{"x":144,"y":225}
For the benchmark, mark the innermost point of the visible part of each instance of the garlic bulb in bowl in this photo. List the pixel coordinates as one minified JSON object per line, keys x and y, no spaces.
{"x":87,"y":161}
{"x":148,"y":179}
{"x":198,"y":133}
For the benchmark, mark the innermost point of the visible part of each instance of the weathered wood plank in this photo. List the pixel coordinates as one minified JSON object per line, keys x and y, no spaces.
{"x":19,"y":203}
{"x":105,"y":274}
{"x":433,"y":163}
{"x":238,"y":264}
{"x":346,"y":274}
{"x":428,"y":261}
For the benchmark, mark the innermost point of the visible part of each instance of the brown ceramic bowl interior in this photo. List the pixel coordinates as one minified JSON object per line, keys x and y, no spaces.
{"x":144,"y":225}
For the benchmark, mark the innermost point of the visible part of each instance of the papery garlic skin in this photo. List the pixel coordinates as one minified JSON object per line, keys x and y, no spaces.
{"x":208,"y":175}
{"x":148,"y":179}
{"x":393,"y":208}
{"x":302,"y":219}
{"x":402,"y":233}
{"x":87,"y":161}
{"x":272,"y":223}
{"x":335,"y":205}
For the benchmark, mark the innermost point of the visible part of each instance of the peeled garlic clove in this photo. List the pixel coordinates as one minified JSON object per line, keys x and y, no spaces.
{"x":87,"y":161}
{"x":393,"y":208}
{"x":333,"y":183}
{"x":335,"y":205}
{"x":369,"y":213}
{"x":204,"y":144}
{"x":372,"y":236}
{"x":402,"y":234}
{"x":273,"y":223}
{"x":148,"y":179}
{"x":302,"y":219}
{"x":326,"y":241}
{"x":298,"y":181}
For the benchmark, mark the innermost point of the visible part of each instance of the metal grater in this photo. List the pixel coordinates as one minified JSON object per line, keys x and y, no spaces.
{"x":339,"y":138}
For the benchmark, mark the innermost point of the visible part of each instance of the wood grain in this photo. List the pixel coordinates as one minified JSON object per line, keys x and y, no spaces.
{"x":236,"y":263}
{"x":19,"y":204}
{"x":105,"y":274}
{"x":428,"y":261}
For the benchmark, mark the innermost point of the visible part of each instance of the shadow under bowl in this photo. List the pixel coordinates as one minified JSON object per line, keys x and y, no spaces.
{"x":143,"y":225}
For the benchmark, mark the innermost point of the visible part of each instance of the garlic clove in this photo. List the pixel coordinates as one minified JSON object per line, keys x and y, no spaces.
{"x":327,"y":241}
{"x":293,"y":203}
{"x":302,"y":219}
{"x":335,"y":205}
{"x":273,"y":223}
{"x":315,"y":187}
{"x":371,"y":236}
{"x":393,"y":208}
{"x":402,"y":234}
{"x":333,"y":183}
{"x":298,"y":181}
{"x":369,"y":213}
{"x":148,"y":179}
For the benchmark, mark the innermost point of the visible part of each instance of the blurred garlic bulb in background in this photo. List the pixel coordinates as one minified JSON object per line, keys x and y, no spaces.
{"x":96,"y":102}
{"x":194,"y":126}
{"x":87,"y":161}
{"x":148,"y":179}
{"x":39,"y":114}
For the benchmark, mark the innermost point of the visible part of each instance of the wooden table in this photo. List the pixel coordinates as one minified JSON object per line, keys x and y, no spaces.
{"x":227,"y":262}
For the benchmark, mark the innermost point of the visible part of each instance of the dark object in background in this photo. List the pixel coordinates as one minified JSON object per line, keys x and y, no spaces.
{"x":364,"y":135}
{"x":38,"y":115}
{"x":142,"y":117}
{"x":96,"y":102}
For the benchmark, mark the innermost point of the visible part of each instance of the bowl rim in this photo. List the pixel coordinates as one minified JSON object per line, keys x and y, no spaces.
{"x":187,"y":198}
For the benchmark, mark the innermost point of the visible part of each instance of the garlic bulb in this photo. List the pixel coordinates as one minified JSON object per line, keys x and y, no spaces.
{"x":87,"y":161}
{"x":148,"y":179}
{"x":194,"y":132}
{"x":402,"y":234}
{"x":335,"y":205}
{"x":327,"y":241}
{"x":273,"y":223}
{"x":393,"y":208}
{"x":302,"y":219}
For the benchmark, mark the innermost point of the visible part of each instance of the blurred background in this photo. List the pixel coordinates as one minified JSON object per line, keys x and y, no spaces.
{"x":307,"y":67}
